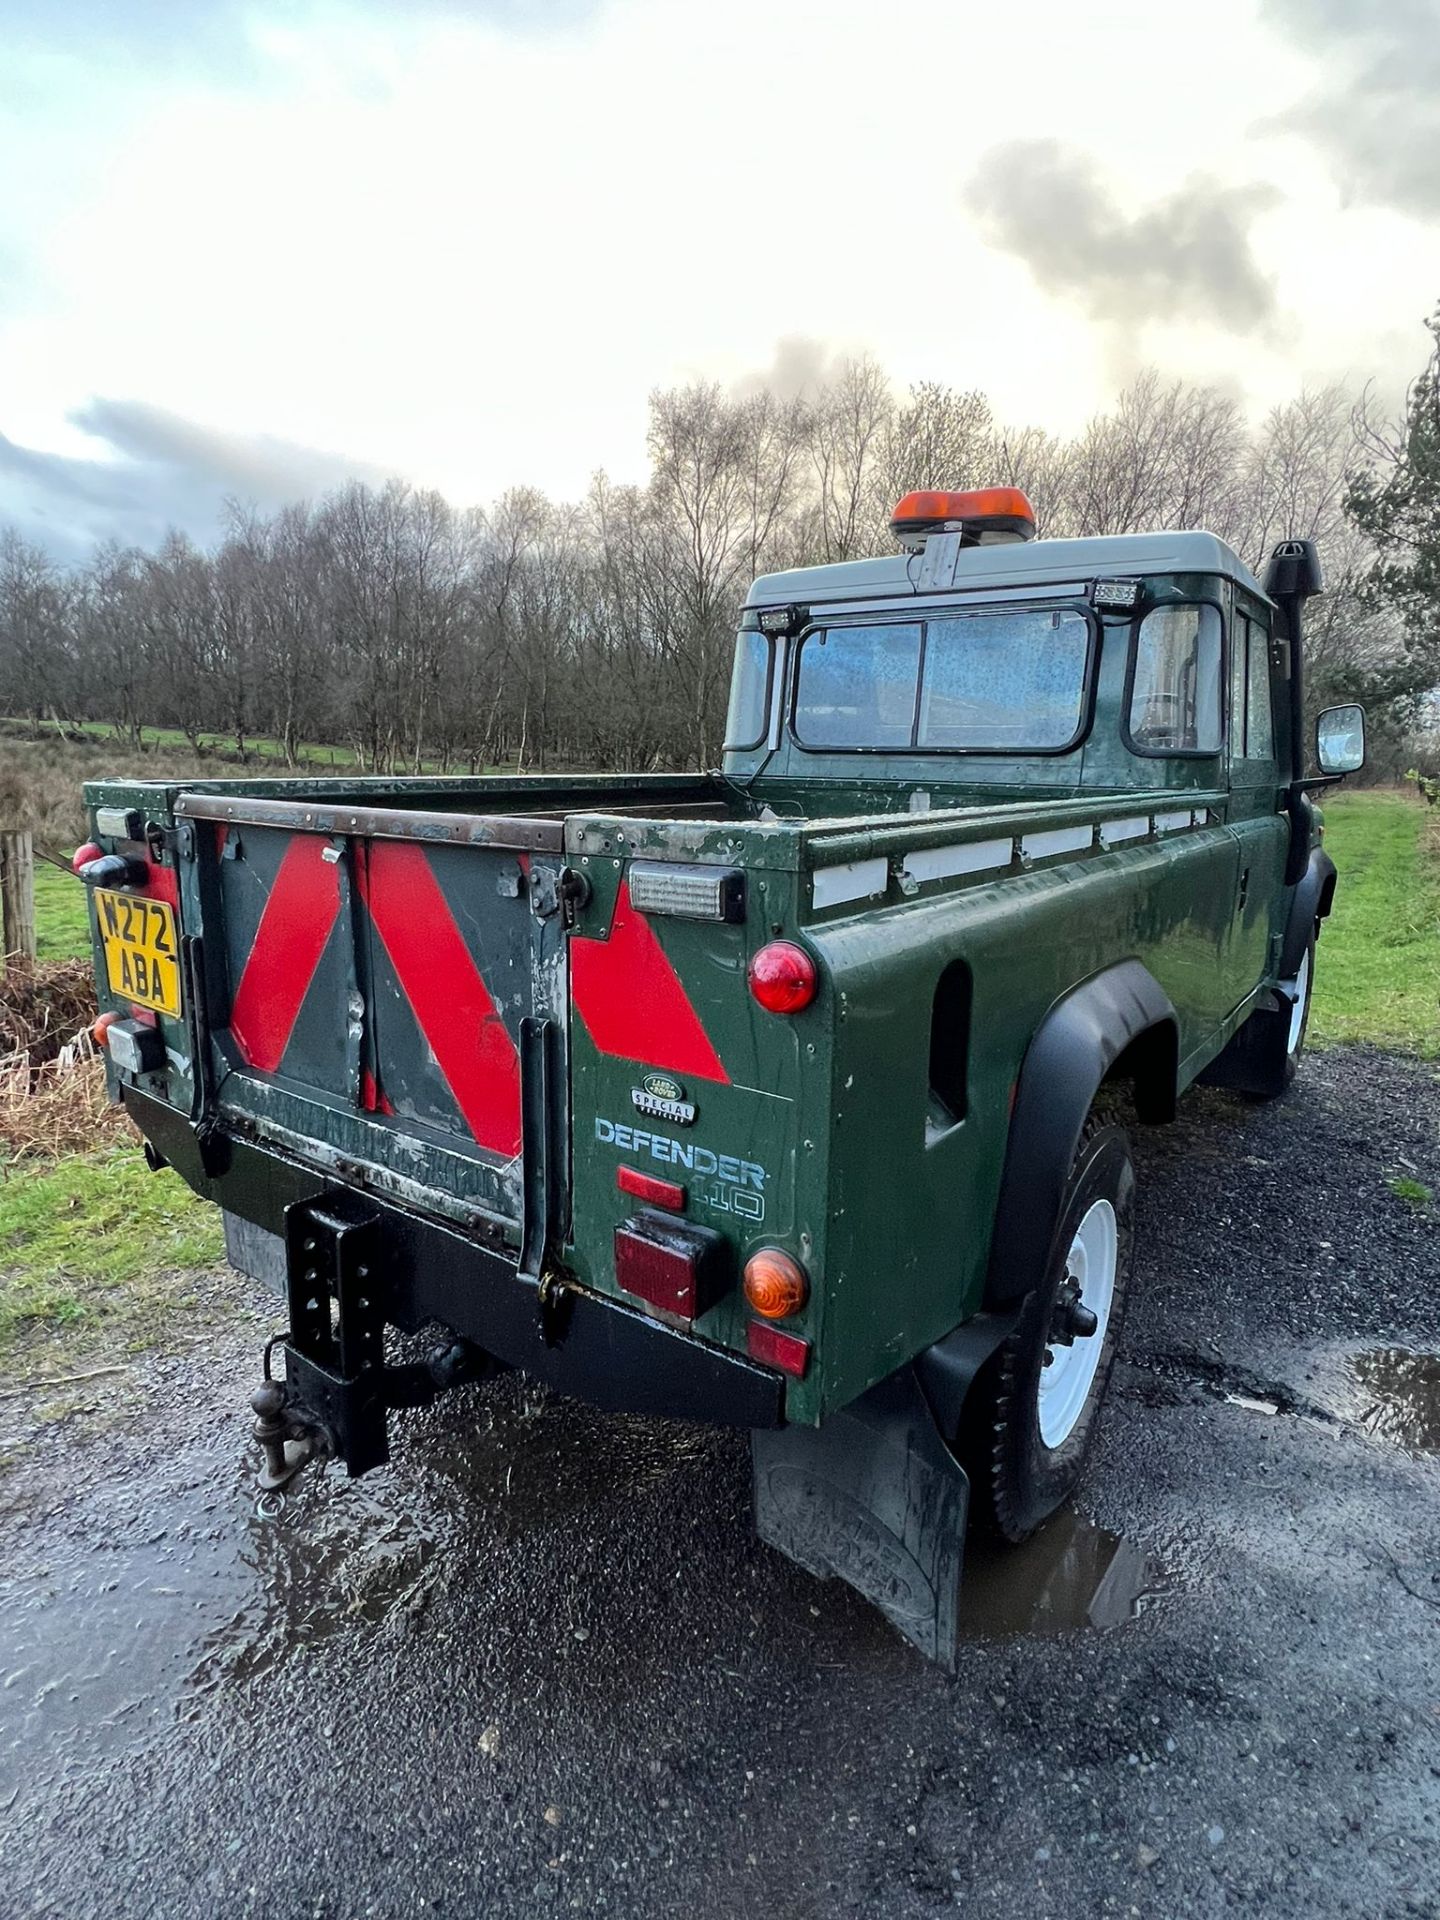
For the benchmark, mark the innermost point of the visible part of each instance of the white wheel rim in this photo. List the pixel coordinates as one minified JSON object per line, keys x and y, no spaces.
{"x":1300,"y":988}
{"x":1065,"y":1384}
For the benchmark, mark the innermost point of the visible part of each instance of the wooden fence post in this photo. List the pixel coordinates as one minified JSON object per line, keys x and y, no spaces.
{"x":17,"y":894}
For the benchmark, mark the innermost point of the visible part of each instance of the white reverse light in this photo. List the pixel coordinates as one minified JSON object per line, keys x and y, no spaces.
{"x":690,"y":893}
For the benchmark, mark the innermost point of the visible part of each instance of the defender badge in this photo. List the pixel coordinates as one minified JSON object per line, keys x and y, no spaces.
{"x":663,"y":1097}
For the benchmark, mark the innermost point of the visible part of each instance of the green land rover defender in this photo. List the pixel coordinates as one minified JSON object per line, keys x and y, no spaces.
{"x":787,"y":1096}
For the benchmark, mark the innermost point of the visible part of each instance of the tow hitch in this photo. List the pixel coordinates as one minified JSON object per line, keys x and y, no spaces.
{"x":338,"y":1388}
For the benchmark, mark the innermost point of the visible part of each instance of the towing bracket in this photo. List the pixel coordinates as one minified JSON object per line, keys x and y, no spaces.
{"x":339,"y":1389}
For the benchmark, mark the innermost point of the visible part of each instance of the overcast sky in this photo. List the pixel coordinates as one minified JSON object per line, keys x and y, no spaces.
{"x":250,"y":249}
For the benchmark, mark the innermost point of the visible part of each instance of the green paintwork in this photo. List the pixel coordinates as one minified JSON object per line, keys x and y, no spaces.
{"x":886,"y":1197}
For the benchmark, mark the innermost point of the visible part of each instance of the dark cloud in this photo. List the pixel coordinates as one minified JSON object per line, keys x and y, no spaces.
{"x":1186,"y":257}
{"x":1376,"y":111}
{"x":165,"y":471}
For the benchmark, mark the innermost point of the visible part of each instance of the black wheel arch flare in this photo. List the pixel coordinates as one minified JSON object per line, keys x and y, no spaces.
{"x":1118,"y":1019}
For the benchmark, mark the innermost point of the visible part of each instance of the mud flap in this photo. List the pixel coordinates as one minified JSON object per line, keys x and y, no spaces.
{"x":875,"y":1497}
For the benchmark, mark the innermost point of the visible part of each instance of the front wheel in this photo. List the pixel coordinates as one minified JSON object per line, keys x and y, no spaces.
{"x":1031,"y":1414}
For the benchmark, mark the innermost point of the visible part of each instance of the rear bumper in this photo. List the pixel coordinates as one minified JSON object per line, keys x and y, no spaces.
{"x":598,"y":1350}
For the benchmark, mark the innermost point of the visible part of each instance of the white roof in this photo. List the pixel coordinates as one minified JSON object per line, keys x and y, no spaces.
{"x":1016,"y":564}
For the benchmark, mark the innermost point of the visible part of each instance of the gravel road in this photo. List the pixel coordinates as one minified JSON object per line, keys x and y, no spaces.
{"x":541,"y":1665}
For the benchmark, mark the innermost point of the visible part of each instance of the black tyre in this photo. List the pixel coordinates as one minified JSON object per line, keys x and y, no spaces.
{"x":1029,"y":1420}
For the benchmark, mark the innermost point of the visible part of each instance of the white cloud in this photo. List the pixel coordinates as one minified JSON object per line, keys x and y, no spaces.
{"x":466,"y":252}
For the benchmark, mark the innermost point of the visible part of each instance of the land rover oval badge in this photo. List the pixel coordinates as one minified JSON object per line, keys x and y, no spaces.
{"x":663,"y":1098}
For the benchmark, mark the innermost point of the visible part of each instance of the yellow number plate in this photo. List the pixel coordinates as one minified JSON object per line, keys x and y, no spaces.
{"x":142,"y":953}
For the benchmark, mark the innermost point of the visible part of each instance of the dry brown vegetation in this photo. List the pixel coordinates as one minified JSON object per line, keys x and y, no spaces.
{"x":40,"y":780}
{"x":52,"y":1089}
{"x":43,"y":1008}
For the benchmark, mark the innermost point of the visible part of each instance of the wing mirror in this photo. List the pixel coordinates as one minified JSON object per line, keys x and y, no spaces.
{"x":1340,"y":739}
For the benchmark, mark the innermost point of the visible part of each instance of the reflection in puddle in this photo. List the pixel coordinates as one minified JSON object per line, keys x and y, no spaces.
{"x":107,"y":1639}
{"x":175,"y":1588}
{"x":1071,"y":1574}
{"x":1401,"y":1396}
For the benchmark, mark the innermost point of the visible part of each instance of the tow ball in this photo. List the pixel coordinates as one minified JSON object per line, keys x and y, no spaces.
{"x":350,"y":1423}
{"x":288,"y":1440}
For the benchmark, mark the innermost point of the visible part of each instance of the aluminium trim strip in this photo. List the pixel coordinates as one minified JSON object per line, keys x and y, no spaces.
{"x":1042,"y":846}
{"x":855,"y":880}
{"x":1114,"y":832}
{"x":943,"y":863}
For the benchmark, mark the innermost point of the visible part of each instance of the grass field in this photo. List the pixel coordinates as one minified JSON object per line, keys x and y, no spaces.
{"x":172,"y":740}
{"x":62,"y":924}
{"x":1377,"y":973}
{"x":90,"y":1237}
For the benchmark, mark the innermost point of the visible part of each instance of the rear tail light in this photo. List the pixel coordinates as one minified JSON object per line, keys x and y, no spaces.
{"x":775,"y":1284}
{"x":782,"y":977}
{"x":84,"y":855}
{"x":100,"y":1032}
{"x":670,"y":1264}
{"x":773,"y":1347}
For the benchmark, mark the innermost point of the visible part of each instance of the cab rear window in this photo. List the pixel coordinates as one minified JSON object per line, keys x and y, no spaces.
{"x":1011,"y":680}
{"x":1175,"y":682}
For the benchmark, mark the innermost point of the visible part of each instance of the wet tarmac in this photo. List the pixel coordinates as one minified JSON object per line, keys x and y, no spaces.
{"x":541,"y":1663}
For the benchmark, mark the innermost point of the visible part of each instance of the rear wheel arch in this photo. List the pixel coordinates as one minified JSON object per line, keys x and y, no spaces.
{"x":1119,"y":1025}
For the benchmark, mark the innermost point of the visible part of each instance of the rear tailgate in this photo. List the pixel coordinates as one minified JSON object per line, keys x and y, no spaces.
{"x":386,"y":995}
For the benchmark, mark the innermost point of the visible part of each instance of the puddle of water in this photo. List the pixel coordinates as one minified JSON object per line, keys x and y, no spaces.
{"x":1400,"y":1396}
{"x":1069,"y":1576}
{"x":107,"y":1640}
{"x":176,"y":1588}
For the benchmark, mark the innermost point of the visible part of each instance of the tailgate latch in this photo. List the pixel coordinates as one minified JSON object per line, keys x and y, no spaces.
{"x":564,"y":893}
{"x":574,"y":891}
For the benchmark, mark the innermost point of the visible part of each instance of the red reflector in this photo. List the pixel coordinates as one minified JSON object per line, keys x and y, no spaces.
{"x":84,"y":855}
{"x":772,"y":1348}
{"x":645,"y":1186}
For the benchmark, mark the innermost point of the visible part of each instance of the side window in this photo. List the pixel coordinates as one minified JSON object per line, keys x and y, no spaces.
{"x":1175,"y":690}
{"x":1239,"y":683}
{"x":1259,"y":725}
{"x":749,"y":690}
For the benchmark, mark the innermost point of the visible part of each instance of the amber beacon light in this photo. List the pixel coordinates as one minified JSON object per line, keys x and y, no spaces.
{"x":986,"y":516}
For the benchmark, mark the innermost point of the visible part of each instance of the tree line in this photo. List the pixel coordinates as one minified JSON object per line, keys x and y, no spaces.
{"x":597,"y":633}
